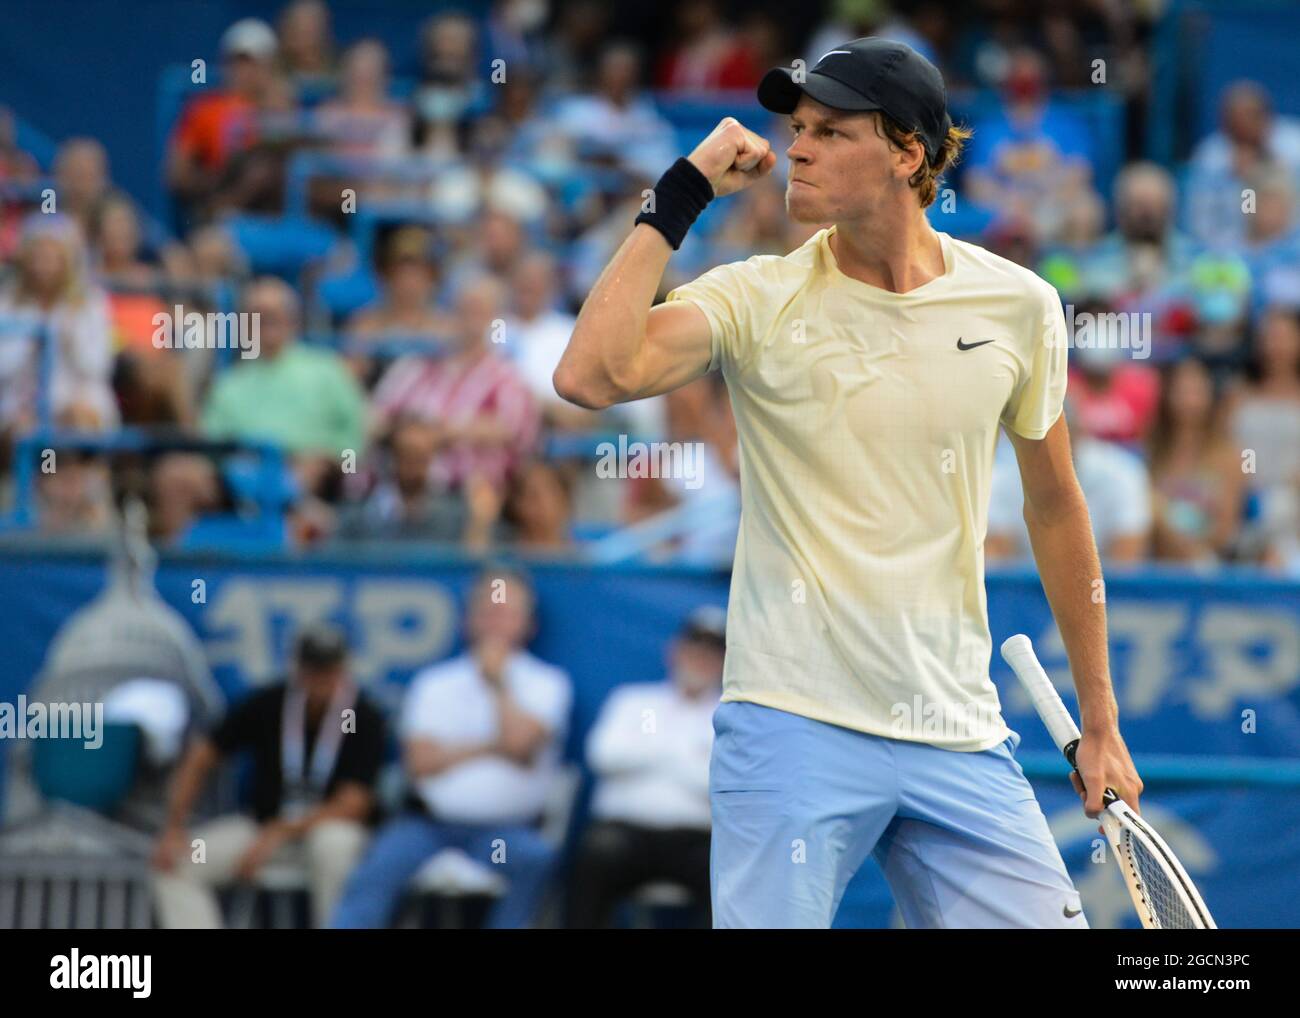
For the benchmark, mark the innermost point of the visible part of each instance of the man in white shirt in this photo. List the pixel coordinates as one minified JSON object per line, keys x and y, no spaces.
{"x":649,"y":751}
{"x":482,"y":736}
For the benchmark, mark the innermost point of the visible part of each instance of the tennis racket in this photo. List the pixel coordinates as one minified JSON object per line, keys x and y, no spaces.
{"x":1162,"y":892}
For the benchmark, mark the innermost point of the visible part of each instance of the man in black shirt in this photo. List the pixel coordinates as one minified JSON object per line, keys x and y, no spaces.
{"x":317,"y":744}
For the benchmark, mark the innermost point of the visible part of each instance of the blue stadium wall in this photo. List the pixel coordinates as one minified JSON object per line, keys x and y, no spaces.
{"x":1207,"y":672}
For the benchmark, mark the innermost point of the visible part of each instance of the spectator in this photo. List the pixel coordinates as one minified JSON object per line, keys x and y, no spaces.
{"x":405,"y":310}
{"x":1115,"y":397}
{"x":116,"y":241}
{"x":1271,"y":247}
{"x":1064,"y":262}
{"x":152,"y":385}
{"x":306,"y":42}
{"x":51,"y":288}
{"x":1145,"y":253}
{"x":1196,"y":474}
{"x":537,"y":333}
{"x":450,"y":94}
{"x":317,"y":743}
{"x":362,"y":120}
{"x":1265,"y":423}
{"x":575,"y":44}
{"x":1031,"y":160}
{"x":496,"y":244}
{"x":298,"y":397}
{"x":539,"y":509}
{"x":481,"y":741}
{"x":616,"y":124}
{"x":81,"y":180}
{"x":649,"y":751}
{"x":15,"y":164}
{"x":486,"y":417}
{"x":708,"y":53}
{"x":182,"y":488}
{"x":216,"y":123}
{"x":854,"y":19}
{"x":410,"y":504}
{"x":214,"y":265}
{"x":16,"y":168}
{"x":1115,"y":486}
{"x":519,"y":129}
{"x":1250,"y":137}
{"x":76,"y":499}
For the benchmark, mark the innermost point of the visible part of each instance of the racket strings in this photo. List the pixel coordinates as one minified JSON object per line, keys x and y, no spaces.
{"x":1158,"y":887}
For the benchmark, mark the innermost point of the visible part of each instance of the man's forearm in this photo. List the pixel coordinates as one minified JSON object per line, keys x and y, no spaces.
{"x":188,"y":783}
{"x":601,"y":356}
{"x":1066,"y":554}
{"x":423,"y":758}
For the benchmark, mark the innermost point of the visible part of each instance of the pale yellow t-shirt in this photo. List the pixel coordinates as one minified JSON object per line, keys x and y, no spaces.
{"x":866,"y":455}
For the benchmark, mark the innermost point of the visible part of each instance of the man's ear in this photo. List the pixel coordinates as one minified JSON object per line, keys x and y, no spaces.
{"x":908,"y":160}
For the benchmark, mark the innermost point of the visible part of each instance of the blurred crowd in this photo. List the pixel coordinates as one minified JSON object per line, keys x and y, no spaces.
{"x":459,"y":207}
{"x":477,"y":803}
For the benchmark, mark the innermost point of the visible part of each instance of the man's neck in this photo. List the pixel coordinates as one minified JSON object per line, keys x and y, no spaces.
{"x":893,"y":253}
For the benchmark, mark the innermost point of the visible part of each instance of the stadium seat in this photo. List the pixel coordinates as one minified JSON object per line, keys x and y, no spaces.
{"x":280,"y":246}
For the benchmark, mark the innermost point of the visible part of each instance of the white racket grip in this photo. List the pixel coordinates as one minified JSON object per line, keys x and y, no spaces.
{"x":1018,"y":652}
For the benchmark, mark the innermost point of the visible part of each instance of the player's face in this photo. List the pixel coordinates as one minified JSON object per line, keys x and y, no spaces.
{"x":841,"y":166}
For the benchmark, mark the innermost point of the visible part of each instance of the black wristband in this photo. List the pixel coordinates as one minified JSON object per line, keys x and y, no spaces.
{"x":677,"y":201}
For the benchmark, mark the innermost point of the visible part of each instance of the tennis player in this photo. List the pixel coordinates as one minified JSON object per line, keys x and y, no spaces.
{"x":869,"y":371}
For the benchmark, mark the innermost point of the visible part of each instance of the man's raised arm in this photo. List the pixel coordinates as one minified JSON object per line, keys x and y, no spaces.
{"x":623,"y":349}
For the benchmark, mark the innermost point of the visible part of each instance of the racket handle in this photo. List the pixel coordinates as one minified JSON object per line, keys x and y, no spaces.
{"x":1018,"y":652}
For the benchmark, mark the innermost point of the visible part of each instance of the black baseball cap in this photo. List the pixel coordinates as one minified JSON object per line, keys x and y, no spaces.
{"x":707,"y":624}
{"x":869,"y":74}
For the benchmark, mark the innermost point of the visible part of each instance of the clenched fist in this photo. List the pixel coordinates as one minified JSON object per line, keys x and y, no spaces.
{"x":733,"y":157}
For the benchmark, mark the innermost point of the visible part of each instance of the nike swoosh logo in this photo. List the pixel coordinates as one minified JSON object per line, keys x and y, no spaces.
{"x":831,"y":53}
{"x":1069,"y":914}
{"x":971,"y":346}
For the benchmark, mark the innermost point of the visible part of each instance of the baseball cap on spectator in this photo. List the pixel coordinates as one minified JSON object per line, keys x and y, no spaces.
{"x":321,"y":645}
{"x":707,"y":624}
{"x":249,"y":37}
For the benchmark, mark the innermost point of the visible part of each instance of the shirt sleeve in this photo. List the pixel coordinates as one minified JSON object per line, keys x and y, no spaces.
{"x":1039,"y":395}
{"x":241,"y":726}
{"x":726,"y":294}
{"x":363,"y":753}
{"x":419,"y":706}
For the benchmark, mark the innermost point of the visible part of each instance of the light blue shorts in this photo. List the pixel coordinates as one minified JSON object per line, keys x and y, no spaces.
{"x":798,"y":805}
